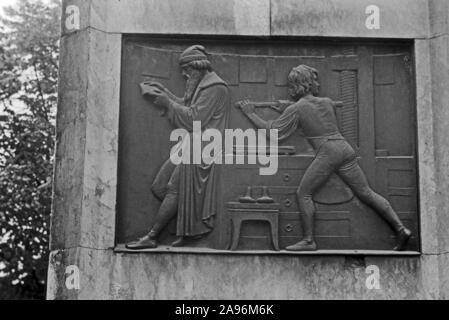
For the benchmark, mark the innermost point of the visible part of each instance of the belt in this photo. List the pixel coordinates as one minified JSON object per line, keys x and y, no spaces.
{"x":317,"y":142}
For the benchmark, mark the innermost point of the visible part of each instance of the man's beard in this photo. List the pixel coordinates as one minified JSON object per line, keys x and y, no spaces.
{"x":191,"y":85}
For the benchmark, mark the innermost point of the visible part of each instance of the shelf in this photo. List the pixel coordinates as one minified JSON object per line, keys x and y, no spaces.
{"x":166,"y":249}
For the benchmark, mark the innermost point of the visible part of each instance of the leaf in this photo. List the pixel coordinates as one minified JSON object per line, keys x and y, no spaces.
{"x":28,"y":72}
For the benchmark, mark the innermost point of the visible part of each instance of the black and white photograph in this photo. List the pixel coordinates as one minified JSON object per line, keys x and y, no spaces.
{"x":230,"y":153}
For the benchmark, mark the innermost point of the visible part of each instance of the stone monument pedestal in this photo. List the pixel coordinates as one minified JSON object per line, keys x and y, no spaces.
{"x":87,"y":225}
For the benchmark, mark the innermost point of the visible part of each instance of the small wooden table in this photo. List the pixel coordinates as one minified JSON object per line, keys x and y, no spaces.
{"x":239,"y":212}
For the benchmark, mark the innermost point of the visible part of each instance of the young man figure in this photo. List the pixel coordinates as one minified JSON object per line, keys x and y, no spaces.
{"x":317,"y":119}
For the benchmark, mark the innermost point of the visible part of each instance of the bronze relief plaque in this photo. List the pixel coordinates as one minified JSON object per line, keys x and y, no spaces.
{"x":344,"y":112}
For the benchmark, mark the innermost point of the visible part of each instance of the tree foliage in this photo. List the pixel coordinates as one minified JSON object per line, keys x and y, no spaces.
{"x":29,"y":35}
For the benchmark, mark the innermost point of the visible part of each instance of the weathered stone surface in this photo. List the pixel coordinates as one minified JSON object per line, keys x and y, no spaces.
{"x":444,"y":275}
{"x":83,"y":6}
{"x":432,"y":69}
{"x":346,"y":18}
{"x":106,"y":275}
{"x":92,"y":13}
{"x":71,"y":140}
{"x":439,"y":55}
{"x":398,"y":19}
{"x":85,"y":174}
{"x":85,"y":178}
{"x":430,"y":278}
{"x":438,"y":17}
{"x":427,"y":169}
{"x":100,"y":164}
{"x":236,"y":17}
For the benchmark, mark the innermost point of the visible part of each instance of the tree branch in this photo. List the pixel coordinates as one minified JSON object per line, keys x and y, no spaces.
{"x":41,"y":94}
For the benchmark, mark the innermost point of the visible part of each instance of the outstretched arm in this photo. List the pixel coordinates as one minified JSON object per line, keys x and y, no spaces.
{"x":248,"y":109}
{"x":162,"y":88}
{"x":174,"y":98}
{"x":286,"y":124}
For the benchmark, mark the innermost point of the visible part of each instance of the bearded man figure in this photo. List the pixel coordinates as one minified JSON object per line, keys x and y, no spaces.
{"x":316,"y":117}
{"x":188,"y":191}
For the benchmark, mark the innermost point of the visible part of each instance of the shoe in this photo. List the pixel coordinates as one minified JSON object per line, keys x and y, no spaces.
{"x":303,"y":245}
{"x":402,"y":239}
{"x":179,"y":243}
{"x":143,"y":243}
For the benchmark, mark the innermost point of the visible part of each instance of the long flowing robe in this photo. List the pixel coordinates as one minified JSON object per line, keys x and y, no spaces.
{"x":198,"y":183}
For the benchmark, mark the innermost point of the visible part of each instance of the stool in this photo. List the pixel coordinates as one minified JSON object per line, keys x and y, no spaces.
{"x":239,"y":212}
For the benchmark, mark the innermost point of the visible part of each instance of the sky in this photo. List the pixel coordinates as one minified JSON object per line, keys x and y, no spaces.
{"x":16,"y":104}
{"x":4,"y":3}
